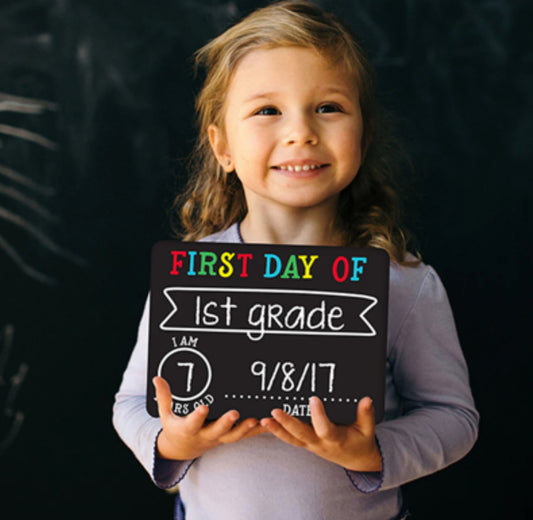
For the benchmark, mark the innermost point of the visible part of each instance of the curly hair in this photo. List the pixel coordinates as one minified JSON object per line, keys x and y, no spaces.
{"x":368,"y":212}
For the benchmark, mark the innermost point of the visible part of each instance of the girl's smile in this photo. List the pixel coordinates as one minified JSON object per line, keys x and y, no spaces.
{"x":292,"y":130}
{"x":300,"y":168}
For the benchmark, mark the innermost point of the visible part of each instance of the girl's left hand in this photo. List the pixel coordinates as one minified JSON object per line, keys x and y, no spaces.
{"x":353,"y":446}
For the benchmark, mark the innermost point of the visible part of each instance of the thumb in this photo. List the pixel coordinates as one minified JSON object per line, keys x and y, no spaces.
{"x":365,"y":422}
{"x":163,"y":397}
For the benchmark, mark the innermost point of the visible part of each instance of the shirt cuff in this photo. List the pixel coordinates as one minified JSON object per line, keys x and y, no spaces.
{"x":365,"y":481}
{"x":368,"y":481}
{"x":167,"y":473}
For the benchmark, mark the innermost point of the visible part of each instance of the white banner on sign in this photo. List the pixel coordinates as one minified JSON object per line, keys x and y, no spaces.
{"x":262,"y":316}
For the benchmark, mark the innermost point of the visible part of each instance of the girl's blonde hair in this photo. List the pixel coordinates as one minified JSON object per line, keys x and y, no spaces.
{"x":368,"y":210}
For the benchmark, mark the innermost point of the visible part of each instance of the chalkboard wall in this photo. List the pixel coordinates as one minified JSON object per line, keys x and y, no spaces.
{"x":95,"y":123}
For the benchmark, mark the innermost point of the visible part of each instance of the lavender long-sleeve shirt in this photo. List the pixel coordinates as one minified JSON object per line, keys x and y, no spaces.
{"x":430,"y":422}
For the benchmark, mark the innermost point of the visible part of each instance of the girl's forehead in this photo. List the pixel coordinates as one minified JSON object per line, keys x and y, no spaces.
{"x":276,"y":63}
{"x":267,"y":53}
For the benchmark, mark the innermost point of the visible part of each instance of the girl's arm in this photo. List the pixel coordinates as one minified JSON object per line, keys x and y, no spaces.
{"x":439,"y":423}
{"x":132,"y":422}
{"x":166,"y":447}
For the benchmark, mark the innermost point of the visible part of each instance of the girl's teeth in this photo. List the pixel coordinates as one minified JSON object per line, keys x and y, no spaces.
{"x":305,"y":167}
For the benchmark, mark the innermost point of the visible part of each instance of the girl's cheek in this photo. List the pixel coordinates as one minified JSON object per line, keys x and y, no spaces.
{"x":258,"y":141}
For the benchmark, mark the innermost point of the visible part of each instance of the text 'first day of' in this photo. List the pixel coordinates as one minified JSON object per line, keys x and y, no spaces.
{"x":228,"y":264}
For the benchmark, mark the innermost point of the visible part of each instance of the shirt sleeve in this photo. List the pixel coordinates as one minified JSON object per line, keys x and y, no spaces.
{"x":135,"y":426}
{"x":439,"y":421}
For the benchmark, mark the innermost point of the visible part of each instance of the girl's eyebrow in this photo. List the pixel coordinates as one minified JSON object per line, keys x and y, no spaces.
{"x":262,"y":95}
{"x":323,"y":91}
{"x":336,"y":90}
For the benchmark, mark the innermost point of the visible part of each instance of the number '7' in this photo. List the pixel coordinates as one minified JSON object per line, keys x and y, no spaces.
{"x":189,"y":367}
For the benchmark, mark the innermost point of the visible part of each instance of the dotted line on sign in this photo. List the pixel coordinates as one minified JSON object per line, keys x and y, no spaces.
{"x":288,"y":398}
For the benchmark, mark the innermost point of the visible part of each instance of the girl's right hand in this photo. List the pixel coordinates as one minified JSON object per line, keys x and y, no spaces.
{"x":185,"y":438}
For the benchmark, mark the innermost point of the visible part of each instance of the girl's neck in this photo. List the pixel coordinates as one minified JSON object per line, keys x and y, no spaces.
{"x":295,"y":226}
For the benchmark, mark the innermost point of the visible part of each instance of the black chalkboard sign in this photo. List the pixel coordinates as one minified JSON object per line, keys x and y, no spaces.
{"x":254,"y":327}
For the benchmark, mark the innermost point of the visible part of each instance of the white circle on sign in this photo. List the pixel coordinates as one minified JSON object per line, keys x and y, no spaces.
{"x":202,"y":357}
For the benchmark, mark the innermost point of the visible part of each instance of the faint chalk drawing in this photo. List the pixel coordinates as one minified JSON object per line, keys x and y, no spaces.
{"x":12,"y":419}
{"x":19,"y":182}
{"x":6,"y":341}
{"x":29,"y":229}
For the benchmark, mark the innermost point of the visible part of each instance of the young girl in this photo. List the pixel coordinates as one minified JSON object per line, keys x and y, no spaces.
{"x":290,"y":152}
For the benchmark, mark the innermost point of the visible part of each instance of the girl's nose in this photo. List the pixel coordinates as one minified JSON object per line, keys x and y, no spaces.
{"x":300,"y":131}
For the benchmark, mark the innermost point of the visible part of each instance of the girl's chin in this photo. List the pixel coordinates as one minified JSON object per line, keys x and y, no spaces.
{"x":308,"y":204}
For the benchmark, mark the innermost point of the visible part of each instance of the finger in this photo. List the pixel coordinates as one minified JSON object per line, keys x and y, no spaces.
{"x":294,"y":426}
{"x":365,"y":417}
{"x":163,"y":397}
{"x":298,"y":429}
{"x":240,"y":431}
{"x":272,"y":426}
{"x":323,"y":427}
{"x":221,"y":426}
{"x":256,"y":430}
{"x":194,"y":422}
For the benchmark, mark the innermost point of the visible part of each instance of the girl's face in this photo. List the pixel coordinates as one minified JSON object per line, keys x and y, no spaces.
{"x":292,"y":129}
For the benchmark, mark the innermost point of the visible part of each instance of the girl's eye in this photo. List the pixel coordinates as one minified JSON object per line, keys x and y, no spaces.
{"x":268,"y":111}
{"x":328,"y":107}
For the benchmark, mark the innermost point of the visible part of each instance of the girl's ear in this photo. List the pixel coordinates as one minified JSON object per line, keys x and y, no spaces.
{"x":219,"y":146}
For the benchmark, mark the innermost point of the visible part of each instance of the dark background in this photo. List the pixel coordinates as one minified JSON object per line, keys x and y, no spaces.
{"x":87,"y":175}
